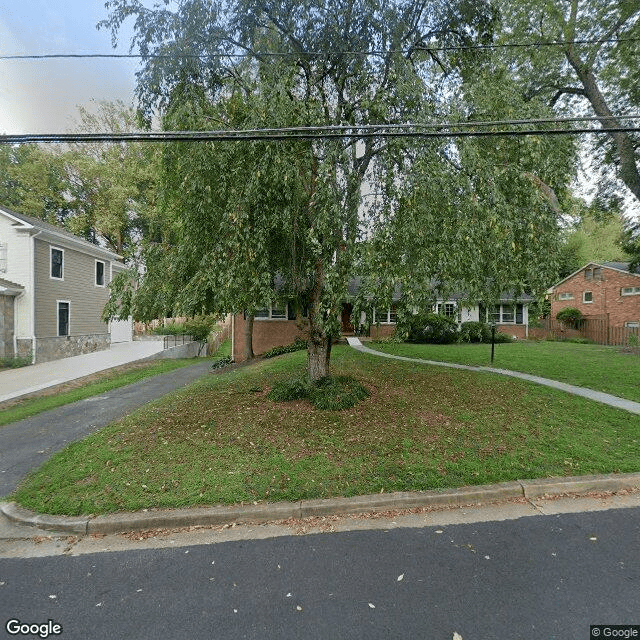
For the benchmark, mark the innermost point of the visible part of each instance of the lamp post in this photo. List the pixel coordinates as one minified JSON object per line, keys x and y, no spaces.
{"x":493,"y":339}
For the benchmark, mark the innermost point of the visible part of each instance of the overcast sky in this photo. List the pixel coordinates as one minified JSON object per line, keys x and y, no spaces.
{"x":41,"y":96}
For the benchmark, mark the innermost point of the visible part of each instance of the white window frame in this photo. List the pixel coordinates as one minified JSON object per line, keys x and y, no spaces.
{"x":270,"y":309}
{"x":51,"y":250}
{"x":385,"y":317}
{"x":442,"y":306}
{"x":630,"y":291}
{"x":498,"y":318}
{"x":565,"y":296}
{"x":58,"y":303}
{"x":104,"y":274}
{"x":634,"y":324}
{"x":584,"y":297}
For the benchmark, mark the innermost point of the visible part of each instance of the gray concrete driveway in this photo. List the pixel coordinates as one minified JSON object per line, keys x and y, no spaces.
{"x":18,"y":382}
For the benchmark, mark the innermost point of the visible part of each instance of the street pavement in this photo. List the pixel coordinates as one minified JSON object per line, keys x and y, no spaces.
{"x":540,"y":577}
{"x":15,"y":383}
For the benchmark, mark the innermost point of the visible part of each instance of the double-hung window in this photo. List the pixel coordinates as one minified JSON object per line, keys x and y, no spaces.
{"x":279,"y":311}
{"x":100,"y":273}
{"x":57,"y":263}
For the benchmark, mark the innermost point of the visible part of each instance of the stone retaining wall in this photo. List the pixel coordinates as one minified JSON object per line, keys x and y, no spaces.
{"x":48,"y":349}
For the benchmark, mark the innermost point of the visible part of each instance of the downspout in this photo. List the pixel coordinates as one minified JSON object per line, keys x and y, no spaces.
{"x":33,"y":296}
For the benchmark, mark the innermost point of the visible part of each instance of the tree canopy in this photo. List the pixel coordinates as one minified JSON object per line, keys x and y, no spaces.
{"x":477,"y":216}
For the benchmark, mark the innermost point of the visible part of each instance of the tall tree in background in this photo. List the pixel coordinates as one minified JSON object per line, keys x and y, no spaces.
{"x":102,"y":192}
{"x":593,"y":68}
{"x":243,"y":215}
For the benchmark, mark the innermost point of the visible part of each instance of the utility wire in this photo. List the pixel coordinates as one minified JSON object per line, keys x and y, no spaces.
{"x":275,"y":54}
{"x":219,"y":136}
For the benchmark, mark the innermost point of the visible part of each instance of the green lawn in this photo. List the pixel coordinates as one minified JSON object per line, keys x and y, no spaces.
{"x":607,"y":369}
{"x":223,"y":441}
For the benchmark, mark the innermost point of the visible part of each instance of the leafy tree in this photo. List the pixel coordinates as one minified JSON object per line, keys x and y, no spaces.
{"x":594,"y":236}
{"x":33,"y":181}
{"x":244,"y":212}
{"x":593,"y":69}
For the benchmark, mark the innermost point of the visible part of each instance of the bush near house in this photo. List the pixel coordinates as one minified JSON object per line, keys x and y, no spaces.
{"x":571,"y":316}
{"x":475,"y":332}
{"x":428,"y":327}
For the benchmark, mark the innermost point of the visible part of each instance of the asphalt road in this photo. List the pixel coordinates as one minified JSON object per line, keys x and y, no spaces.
{"x":26,"y":444}
{"x":541,"y":577}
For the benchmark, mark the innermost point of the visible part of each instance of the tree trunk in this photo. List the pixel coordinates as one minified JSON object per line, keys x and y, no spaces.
{"x":319,"y":350}
{"x":248,"y":337}
{"x":628,"y":169}
{"x":319,"y":356}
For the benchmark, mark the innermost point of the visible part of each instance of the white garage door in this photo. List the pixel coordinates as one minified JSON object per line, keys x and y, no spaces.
{"x":121,"y":330}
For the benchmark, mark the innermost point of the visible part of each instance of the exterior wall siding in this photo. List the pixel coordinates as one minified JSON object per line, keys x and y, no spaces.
{"x":607,"y":299}
{"x":77,"y":287}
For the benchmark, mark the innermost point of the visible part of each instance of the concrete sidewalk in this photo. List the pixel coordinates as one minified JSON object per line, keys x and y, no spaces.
{"x":591,"y":394}
{"x":19,"y":382}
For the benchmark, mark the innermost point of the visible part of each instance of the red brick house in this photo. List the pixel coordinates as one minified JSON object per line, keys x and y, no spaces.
{"x":277,"y":325}
{"x":607,"y":291}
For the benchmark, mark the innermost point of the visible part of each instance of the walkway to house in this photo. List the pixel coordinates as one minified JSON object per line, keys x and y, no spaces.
{"x":598,"y":396}
{"x":18,"y":382}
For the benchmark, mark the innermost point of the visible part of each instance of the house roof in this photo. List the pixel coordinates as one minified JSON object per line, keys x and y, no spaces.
{"x":55,"y":232}
{"x":616,"y":266}
{"x":10,"y":288}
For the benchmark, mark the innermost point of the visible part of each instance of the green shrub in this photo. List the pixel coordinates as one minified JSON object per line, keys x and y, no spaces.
{"x":13,"y":362}
{"x":475,"y":332}
{"x":297,"y":345}
{"x":428,"y":328}
{"x":173,"y":329}
{"x":199,"y":327}
{"x":286,"y":390}
{"x":332,"y":393}
{"x":502,"y":338}
{"x":335,"y":393}
{"x":571,"y":316}
{"x":221,"y":362}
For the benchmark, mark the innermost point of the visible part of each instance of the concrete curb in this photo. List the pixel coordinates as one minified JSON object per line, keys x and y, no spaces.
{"x":261,"y":513}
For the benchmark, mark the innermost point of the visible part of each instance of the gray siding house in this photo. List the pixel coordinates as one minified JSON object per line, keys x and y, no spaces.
{"x":53,"y":287}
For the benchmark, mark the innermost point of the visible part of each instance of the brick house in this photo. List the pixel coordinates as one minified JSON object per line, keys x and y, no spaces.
{"x":53,"y":287}
{"x":607,"y":291}
{"x":277,"y":325}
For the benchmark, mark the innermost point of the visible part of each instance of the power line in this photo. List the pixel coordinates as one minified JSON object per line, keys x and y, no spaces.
{"x":220,"y":136}
{"x":276,"y":54}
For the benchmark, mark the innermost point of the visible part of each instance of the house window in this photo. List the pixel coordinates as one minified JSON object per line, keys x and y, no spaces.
{"x":388,"y":316}
{"x":587,"y":296}
{"x":630,"y":291}
{"x":63,"y":318}
{"x":506,"y":314}
{"x":597,"y":273}
{"x":99,"y":273}
{"x":446,"y":309}
{"x":588,"y":274}
{"x":272,"y":312}
{"x":3,"y":257}
{"x":632,"y":325}
{"x":57,"y":263}
{"x":565,"y":296}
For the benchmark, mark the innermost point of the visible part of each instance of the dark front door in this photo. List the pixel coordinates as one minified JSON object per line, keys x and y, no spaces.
{"x":347,"y":326}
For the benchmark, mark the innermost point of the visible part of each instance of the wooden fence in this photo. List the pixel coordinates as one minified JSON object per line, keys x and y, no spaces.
{"x":594,"y":329}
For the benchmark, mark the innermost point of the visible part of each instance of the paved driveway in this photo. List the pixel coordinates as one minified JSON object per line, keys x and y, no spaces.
{"x":18,"y":382}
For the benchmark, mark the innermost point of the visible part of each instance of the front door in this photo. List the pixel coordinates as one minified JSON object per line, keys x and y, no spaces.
{"x":347,"y":326}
